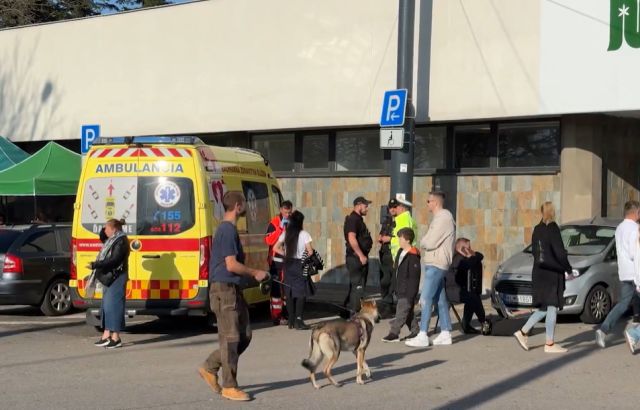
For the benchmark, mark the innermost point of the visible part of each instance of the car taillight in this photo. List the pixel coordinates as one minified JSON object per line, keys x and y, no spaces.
{"x":12,"y":264}
{"x":205,"y":255}
{"x":74,"y":262}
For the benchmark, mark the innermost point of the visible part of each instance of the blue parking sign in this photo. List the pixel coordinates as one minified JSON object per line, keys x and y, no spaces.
{"x":88,"y":134}
{"x":393,"y":108}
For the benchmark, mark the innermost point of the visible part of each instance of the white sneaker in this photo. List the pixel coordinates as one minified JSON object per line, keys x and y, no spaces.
{"x":422,"y":340}
{"x":523,"y":340}
{"x":600,"y":336}
{"x":444,"y":338}
{"x":554,"y":348}
{"x":630,"y":341}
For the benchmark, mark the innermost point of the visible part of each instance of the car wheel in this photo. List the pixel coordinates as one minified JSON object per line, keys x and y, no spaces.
{"x":57,"y":298}
{"x":597,"y":305}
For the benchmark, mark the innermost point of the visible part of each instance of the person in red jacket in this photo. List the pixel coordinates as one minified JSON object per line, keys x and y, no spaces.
{"x":275,"y":261}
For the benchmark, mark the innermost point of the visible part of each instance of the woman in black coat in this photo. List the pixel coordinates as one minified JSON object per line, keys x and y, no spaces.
{"x":550,"y":263}
{"x":113,"y":257}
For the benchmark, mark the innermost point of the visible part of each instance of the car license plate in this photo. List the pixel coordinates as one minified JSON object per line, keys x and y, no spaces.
{"x":519,"y":299}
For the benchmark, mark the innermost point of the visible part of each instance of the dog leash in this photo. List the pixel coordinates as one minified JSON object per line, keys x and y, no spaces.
{"x":351,"y":311}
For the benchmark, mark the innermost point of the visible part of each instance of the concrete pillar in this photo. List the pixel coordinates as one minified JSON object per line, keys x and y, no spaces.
{"x":581,"y":167}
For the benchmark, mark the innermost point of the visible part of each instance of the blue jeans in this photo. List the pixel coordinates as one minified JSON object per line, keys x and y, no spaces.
{"x":432,"y":293}
{"x":550,"y":323}
{"x":627,"y":290}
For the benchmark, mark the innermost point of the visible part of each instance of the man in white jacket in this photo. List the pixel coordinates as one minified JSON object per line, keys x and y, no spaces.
{"x":437,"y":250}
{"x":626,"y":245}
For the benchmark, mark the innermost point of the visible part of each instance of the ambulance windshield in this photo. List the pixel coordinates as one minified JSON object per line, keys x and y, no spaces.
{"x":149,"y":205}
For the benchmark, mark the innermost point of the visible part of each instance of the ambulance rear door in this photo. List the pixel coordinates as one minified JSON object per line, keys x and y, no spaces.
{"x":167,"y":245}
{"x":108,"y":192}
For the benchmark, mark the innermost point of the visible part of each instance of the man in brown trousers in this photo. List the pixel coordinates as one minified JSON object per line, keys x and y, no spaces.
{"x":227,"y":275}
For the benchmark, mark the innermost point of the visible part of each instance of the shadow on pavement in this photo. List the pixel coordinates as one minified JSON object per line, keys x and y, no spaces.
{"x":374,"y":363}
{"x":39,"y":328}
{"x":173,"y":328}
{"x":23,"y":310}
{"x":489,"y":393}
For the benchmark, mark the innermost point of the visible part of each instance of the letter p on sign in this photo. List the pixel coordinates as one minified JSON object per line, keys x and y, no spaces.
{"x":88,"y":134}
{"x":393,"y":108}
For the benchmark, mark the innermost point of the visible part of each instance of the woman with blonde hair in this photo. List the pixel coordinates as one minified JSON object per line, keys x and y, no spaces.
{"x":550,"y":263}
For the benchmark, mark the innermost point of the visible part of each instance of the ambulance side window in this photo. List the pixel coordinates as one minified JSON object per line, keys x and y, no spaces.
{"x":276,"y":198}
{"x":258,"y":213}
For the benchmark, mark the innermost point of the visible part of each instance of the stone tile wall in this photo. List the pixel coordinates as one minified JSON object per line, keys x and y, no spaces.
{"x":620,"y":153}
{"x":619,"y":191}
{"x":496,"y":212}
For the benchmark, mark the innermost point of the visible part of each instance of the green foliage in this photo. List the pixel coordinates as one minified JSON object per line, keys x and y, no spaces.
{"x":23,"y":12}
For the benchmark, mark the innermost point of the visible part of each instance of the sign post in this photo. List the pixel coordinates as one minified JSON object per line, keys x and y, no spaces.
{"x":88,"y":134}
{"x":402,"y":159}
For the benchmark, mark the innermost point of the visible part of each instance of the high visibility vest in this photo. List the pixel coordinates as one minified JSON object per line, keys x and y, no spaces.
{"x":404,"y":220}
{"x":271,"y":238}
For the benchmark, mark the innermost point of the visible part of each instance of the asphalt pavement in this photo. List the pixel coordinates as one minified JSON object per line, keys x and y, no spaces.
{"x":51,"y":363}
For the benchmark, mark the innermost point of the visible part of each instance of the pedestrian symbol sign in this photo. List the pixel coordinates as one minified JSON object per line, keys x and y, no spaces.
{"x":393,"y":108}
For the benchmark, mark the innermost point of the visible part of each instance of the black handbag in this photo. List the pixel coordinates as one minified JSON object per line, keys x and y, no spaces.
{"x":108,"y":277}
{"x":312,"y":264}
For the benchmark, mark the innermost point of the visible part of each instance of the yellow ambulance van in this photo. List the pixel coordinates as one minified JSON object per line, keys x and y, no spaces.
{"x":169,"y":192}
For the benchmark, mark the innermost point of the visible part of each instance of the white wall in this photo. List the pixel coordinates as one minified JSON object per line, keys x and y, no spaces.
{"x":577,"y":72}
{"x":201,"y":67}
{"x":229,"y":65}
{"x":484,"y":59}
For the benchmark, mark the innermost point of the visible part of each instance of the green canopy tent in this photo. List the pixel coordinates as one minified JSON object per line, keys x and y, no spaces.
{"x":10,"y":154}
{"x":53,"y":171}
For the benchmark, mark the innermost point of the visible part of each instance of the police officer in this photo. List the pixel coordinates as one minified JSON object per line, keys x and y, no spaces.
{"x":402,"y":219}
{"x":358,"y":243}
{"x":386,"y":260}
{"x":275,"y":260}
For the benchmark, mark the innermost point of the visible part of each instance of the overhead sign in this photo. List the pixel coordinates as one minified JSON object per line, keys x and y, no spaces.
{"x":391,"y":138}
{"x":88,"y":134}
{"x":393,"y":108}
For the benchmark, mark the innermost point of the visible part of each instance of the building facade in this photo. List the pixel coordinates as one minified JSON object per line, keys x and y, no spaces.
{"x":517,"y":101}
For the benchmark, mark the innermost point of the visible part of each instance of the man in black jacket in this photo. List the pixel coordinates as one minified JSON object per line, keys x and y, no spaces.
{"x":407,"y":264}
{"x":358,"y":243}
{"x":467,"y":265}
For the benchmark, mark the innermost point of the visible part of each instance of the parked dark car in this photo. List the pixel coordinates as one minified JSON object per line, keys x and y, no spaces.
{"x":35,"y":262}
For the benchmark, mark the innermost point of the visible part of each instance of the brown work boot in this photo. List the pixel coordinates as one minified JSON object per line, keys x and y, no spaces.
{"x":233,"y":393}
{"x":211,"y":379}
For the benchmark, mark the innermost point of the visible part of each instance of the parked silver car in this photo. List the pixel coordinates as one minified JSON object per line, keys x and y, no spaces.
{"x":592,"y":253}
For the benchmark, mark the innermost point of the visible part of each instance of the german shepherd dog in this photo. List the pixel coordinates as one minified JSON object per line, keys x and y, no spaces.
{"x":328,"y":339}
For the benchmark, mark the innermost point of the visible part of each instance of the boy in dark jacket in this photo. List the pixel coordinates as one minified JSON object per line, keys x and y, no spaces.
{"x":407,"y":271}
{"x":467,"y":265}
